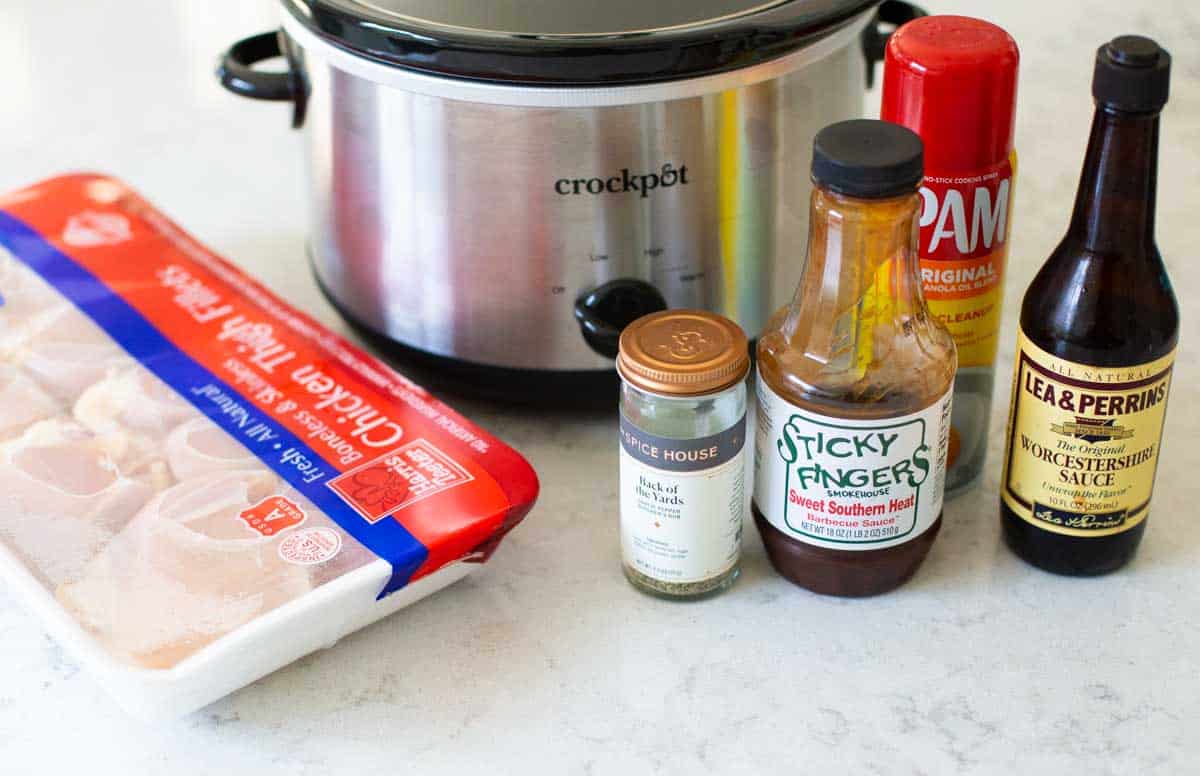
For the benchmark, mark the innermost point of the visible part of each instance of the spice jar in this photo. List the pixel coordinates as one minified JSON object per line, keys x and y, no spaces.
{"x":683,"y":433}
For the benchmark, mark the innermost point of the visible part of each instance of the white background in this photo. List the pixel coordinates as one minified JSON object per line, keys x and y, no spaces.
{"x":547,"y":661}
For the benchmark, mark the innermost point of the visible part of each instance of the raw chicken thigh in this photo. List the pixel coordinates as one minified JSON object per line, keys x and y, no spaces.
{"x":186,"y":571}
{"x":134,"y":508}
{"x":24,"y":299}
{"x":22,"y":402}
{"x":62,"y":498}
{"x":156,"y":578}
{"x":66,"y":352}
{"x":200,"y":447}
{"x":134,"y":412}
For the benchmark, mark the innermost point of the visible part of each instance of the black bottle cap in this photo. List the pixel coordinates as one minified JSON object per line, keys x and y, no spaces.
{"x":868,"y":158}
{"x":1132,"y":74}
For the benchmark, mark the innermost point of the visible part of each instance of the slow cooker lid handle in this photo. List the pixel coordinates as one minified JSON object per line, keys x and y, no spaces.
{"x":236,"y":72}
{"x":892,"y":15}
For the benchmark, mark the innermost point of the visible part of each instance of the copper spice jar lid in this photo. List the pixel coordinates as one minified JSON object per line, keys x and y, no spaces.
{"x":683,"y":353}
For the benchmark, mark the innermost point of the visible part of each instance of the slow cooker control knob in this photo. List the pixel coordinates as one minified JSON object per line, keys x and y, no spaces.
{"x":605,"y":311}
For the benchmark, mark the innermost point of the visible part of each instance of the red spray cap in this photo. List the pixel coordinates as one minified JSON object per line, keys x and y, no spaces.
{"x":953,"y":81}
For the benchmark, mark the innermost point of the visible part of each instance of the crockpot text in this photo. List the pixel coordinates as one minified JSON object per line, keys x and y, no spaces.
{"x":664,"y":178}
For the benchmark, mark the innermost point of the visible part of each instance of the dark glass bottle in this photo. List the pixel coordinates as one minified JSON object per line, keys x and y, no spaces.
{"x":1099,"y":326}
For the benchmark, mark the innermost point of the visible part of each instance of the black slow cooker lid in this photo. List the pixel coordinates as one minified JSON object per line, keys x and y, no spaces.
{"x":573,"y":42}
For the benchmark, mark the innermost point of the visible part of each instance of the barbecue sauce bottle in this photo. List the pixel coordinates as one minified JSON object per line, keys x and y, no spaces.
{"x":1096,"y":343}
{"x":855,"y":379}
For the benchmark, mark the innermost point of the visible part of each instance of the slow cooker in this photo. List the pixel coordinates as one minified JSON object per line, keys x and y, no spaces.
{"x":497,"y":188}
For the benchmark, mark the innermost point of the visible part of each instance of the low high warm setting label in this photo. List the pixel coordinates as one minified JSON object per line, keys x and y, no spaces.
{"x":849,"y":484}
{"x":682,"y":502}
{"x":1083,"y":442}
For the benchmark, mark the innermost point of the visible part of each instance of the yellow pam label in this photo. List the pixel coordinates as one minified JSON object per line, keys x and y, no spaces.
{"x":965,"y":226}
{"x":972,"y":316}
{"x":1083,"y":442}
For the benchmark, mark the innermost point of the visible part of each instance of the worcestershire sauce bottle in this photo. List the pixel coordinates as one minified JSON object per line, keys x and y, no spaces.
{"x":1096,"y":343}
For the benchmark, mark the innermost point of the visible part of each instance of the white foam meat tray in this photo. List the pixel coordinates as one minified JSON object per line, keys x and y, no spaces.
{"x":312,"y":622}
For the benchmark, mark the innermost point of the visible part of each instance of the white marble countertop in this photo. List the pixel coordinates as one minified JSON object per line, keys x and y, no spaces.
{"x":547,"y":661}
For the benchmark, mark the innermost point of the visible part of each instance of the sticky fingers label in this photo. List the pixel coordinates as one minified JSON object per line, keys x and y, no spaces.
{"x":849,"y":484}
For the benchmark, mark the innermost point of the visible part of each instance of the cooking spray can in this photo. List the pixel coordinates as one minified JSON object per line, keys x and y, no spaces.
{"x":953,"y":81}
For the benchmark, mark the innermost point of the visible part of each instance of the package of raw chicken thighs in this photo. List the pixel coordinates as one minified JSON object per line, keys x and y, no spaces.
{"x":199,"y":484}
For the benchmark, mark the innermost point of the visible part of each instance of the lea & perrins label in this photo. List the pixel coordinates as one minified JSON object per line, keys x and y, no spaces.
{"x":1083,"y":442}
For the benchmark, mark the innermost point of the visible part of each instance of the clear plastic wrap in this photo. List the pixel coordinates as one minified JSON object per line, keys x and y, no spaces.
{"x":181,"y":455}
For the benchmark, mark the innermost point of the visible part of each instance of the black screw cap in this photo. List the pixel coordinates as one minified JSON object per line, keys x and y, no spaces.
{"x":1133,"y":74}
{"x":868,"y":158}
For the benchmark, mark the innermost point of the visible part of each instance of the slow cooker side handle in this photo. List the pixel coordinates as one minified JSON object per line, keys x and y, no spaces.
{"x":890,"y":16}
{"x":236,"y":72}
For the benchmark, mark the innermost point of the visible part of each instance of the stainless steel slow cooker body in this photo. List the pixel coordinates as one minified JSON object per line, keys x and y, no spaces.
{"x":518,"y":226}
